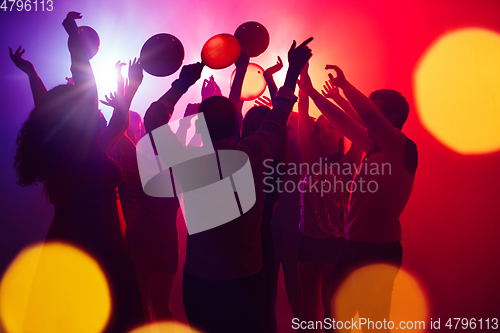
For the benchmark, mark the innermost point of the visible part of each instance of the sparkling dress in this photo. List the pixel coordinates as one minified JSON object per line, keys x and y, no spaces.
{"x":324,"y":200}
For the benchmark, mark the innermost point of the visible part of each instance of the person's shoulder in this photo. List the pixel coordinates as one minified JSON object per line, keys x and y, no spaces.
{"x":252,"y":142}
{"x":409,"y":141}
{"x":411,"y":146}
{"x":256,"y":147}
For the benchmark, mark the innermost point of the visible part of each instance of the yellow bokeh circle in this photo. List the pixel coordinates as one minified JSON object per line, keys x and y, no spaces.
{"x":54,"y":287}
{"x":165,"y":327}
{"x":457,"y":89}
{"x":409,"y":306}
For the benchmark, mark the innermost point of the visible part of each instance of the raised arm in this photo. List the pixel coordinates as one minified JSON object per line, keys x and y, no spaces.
{"x":332,"y":92}
{"x":37,"y":87}
{"x":268,"y":76}
{"x":338,"y":118}
{"x":114,"y":130}
{"x":80,"y":66}
{"x":388,"y":137}
{"x":235,"y":93}
{"x":273,"y":128}
{"x":309,"y":151}
{"x":210,"y":88}
{"x":120,"y":102}
{"x":159,"y":112}
{"x":135,"y":77}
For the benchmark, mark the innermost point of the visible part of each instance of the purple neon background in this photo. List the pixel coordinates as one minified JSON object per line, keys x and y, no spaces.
{"x":450,"y":226}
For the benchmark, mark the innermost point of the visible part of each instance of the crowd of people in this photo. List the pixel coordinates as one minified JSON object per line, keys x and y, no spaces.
{"x":90,"y":173}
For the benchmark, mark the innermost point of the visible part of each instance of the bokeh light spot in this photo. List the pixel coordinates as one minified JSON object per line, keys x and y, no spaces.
{"x":457,"y":90}
{"x":54,"y":287}
{"x":408,"y":303}
{"x":165,"y":327}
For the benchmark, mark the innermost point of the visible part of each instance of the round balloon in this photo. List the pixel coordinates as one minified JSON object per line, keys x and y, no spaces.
{"x":254,"y":83}
{"x":220,"y":51}
{"x":162,"y":55}
{"x":254,"y":37}
{"x":90,"y":40}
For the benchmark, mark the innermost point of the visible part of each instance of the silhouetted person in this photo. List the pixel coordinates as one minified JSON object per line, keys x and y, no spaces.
{"x":251,"y":124}
{"x":285,"y":221}
{"x":373,"y":229}
{"x":323,"y":209}
{"x":154,"y":238}
{"x":152,"y":228}
{"x":223,"y":279}
{"x":60,"y":146}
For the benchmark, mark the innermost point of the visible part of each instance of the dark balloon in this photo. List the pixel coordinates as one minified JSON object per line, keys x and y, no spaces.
{"x":90,"y":40}
{"x":220,"y":51}
{"x":162,"y":55}
{"x":254,"y":37}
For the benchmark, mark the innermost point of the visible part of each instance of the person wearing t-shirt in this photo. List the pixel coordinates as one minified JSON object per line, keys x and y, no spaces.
{"x":379,"y":194}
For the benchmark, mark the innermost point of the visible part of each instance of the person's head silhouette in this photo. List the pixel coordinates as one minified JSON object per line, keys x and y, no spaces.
{"x":136,"y":127}
{"x":60,"y":130}
{"x":326,"y":136}
{"x":253,"y":119}
{"x":393,"y":106}
{"x":220,"y":116}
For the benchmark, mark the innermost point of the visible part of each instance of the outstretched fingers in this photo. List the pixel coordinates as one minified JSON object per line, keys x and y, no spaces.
{"x":74,"y":15}
{"x":19,"y":53}
{"x":340,"y":73}
{"x":304,"y":43}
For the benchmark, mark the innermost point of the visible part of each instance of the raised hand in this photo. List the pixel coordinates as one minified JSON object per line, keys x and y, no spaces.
{"x":135,"y":74}
{"x":300,"y":55}
{"x":119,"y":121}
{"x":297,"y":59}
{"x":120,"y":81}
{"x":73,"y":16}
{"x":191,"y":73}
{"x":117,"y":102}
{"x":273,"y":69}
{"x":69,"y":22}
{"x":305,"y":83}
{"x":339,"y":81}
{"x":330,"y":91}
{"x":118,"y":69}
{"x":210,"y":88}
{"x":264,"y":101}
{"x":113,"y":100}
{"x":21,"y":63}
{"x":188,"y":76}
{"x":37,"y":87}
